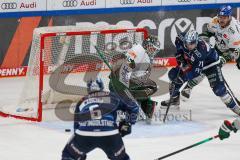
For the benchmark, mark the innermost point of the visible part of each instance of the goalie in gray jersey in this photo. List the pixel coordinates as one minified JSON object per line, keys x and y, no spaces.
{"x":226,"y":31}
{"x":140,"y":58}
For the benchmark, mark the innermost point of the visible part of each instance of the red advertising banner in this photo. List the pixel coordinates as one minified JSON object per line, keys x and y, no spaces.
{"x":13,"y":72}
{"x":21,"y":71}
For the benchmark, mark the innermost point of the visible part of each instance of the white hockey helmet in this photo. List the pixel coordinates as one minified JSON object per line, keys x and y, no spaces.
{"x":191,"y":39}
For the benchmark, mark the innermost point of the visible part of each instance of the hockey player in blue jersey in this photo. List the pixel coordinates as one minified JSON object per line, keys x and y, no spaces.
{"x":196,"y":57}
{"x":100,"y":130}
{"x":226,"y":31}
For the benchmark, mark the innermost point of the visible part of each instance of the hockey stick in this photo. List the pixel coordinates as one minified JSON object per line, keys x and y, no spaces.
{"x":189,"y":147}
{"x":171,"y":96}
{"x":231,"y":91}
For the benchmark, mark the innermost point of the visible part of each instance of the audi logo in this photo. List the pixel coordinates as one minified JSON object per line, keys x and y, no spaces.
{"x":123,"y":2}
{"x":70,"y":3}
{"x":184,"y":0}
{"x":10,"y":5}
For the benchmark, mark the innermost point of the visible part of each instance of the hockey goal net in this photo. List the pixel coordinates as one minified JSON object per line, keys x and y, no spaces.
{"x":62,"y":59}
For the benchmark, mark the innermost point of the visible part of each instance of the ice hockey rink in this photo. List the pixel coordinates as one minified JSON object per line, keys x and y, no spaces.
{"x":201,"y":117}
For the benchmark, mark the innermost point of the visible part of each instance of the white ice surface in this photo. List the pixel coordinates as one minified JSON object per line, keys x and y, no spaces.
{"x":44,"y":141}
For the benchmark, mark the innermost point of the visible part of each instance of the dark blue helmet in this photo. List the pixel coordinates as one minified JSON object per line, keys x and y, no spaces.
{"x":225,"y":10}
{"x":191,"y":37}
{"x":95,"y":86}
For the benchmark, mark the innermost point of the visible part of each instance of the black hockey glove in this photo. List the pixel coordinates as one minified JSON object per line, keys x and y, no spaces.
{"x":124,"y":128}
{"x":224,"y":59}
{"x":180,"y":59}
{"x":177,"y":76}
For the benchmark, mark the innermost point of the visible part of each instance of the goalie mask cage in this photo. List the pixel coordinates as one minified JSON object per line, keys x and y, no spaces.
{"x":59,"y":54}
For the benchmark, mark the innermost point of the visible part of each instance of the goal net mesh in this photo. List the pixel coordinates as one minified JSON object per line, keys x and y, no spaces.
{"x":63,"y":59}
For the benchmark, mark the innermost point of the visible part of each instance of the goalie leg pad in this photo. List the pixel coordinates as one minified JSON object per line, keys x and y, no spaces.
{"x":148,"y":107}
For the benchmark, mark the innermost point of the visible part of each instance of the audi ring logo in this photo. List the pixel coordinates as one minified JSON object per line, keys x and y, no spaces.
{"x":184,"y":0}
{"x":123,"y":2}
{"x":11,"y":5}
{"x":70,"y":3}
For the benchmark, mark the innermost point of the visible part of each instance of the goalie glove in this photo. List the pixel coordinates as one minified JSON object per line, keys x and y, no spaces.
{"x":226,"y":128}
{"x":124,"y":128}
